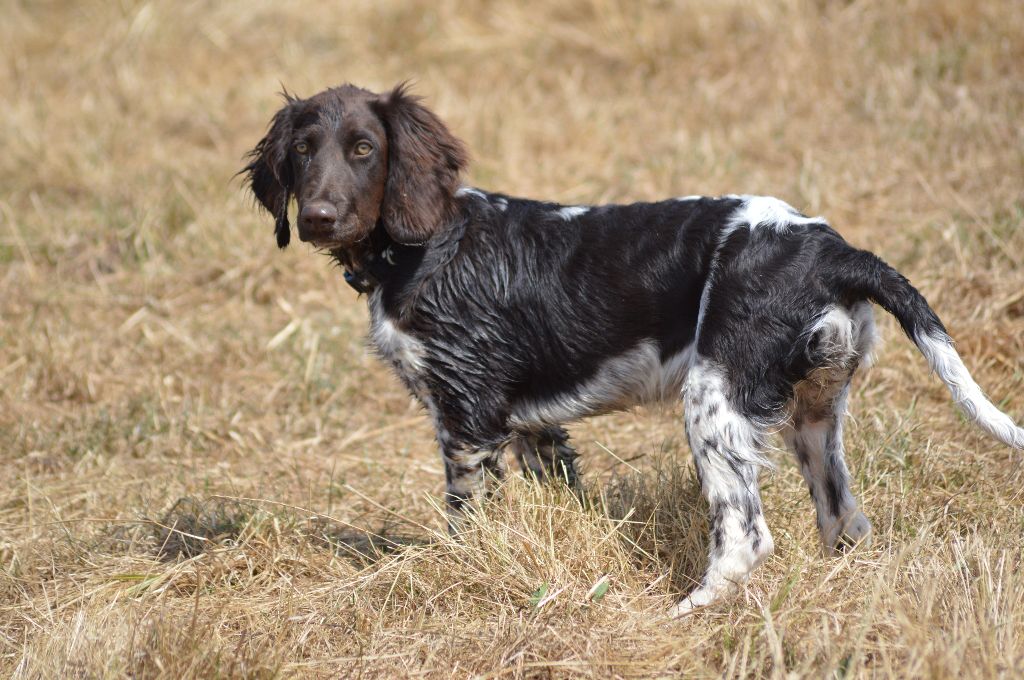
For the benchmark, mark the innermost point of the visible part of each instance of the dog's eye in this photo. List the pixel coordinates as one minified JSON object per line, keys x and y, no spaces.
{"x":363,"y":149}
{"x":301,"y":148}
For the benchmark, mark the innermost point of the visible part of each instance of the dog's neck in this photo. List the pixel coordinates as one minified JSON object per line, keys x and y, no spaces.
{"x":395,"y":271}
{"x":378,"y":262}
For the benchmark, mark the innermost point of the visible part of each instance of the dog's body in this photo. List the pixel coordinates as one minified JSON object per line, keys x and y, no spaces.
{"x":509,"y":317}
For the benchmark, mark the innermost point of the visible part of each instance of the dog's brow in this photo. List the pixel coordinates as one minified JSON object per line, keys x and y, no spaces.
{"x":328,"y":115}
{"x":332,"y":112}
{"x":308,"y":119}
{"x":332,"y":115}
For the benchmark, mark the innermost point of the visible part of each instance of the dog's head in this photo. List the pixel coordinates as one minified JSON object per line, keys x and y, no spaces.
{"x":353,"y":158}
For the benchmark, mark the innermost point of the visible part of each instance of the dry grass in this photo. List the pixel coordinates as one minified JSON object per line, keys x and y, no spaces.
{"x":204,"y":473}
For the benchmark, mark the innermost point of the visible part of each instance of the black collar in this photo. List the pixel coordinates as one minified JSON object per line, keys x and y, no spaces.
{"x":378,"y":265}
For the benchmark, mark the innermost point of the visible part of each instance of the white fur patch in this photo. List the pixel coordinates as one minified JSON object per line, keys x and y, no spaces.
{"x":570,"y":212}
{"x":692,"y":197}
{"x":846,"y":334}
{"x":839,"y":326}
{"x":470,"y":191}
{"x":398,"y":347}
{"x":403,"y":351}
{"x":637,"y":377}
{"x":767,"y":211}
{"x":500,"y":203}
{"x":945,"y":361}
{"x":837,"y":336}
{"x":706,"y":392}
{"x":866,"y":335}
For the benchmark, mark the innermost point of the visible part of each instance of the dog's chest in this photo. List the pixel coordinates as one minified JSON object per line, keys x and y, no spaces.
{"x":405,"y":354}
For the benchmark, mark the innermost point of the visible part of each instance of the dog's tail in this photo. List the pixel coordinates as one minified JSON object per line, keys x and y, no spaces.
{"x":864,"y":274}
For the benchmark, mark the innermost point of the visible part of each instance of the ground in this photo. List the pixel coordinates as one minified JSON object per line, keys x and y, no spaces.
{"x":205,"y":473}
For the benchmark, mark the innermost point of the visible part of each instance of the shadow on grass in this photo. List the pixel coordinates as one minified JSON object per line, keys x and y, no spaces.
{"x":194,"y":525}
{"x":364,"y":546}
{"x":660,"y":512}
{"x":664,"y":518}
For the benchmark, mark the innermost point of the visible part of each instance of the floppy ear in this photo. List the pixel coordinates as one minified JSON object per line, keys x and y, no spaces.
{"x":424,"y":162}
{"x":269,"y":173}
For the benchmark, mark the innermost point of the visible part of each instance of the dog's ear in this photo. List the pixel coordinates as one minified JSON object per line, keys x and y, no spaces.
{"x":424,"y":162}
{"x":269,"y":172}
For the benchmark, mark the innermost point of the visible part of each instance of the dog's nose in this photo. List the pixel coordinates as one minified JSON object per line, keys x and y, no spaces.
{"x":318,"y":217}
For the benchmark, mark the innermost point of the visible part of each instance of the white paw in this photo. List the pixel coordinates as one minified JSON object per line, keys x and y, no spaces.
{"x":699,"y":598}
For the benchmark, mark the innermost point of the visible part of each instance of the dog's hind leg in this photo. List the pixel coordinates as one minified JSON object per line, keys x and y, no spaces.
{"x":815,"y":433}
{"x":726,"y":447}
{"x":546,"y":454}
{"x":816,"y":439}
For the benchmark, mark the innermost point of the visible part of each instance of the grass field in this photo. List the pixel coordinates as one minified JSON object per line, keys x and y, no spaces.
{"x":205,"y":473}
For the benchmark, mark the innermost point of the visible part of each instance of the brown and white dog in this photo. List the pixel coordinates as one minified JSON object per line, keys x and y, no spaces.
{"x":509,"y":317}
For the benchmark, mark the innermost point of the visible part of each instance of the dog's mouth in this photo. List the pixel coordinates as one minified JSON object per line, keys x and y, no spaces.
{"x":344,"y":234}
{"x":329,"y":244}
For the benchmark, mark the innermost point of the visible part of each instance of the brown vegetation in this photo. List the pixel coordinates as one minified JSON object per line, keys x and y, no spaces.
{"x":204,"y":472}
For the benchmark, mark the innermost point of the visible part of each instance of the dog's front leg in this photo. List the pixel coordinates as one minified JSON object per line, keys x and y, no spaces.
{"x":469,"y":475}
{"x":546,"y":454}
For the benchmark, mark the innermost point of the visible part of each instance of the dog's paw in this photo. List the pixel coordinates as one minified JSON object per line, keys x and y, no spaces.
{"x":847,"y":533}
{"x":698,"y":599}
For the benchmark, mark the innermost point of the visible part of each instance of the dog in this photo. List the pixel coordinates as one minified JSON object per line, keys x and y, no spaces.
{"x":508,"y":318}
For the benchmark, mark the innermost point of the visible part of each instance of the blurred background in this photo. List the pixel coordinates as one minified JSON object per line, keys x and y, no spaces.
{"x":158,"y":353}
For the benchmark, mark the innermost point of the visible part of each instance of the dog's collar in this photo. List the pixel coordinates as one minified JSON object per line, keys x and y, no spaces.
{"x":362,"y":283}
{"x":378,"y":266}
